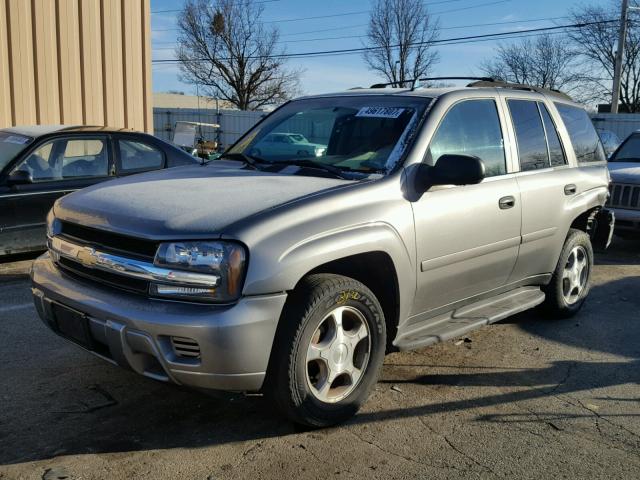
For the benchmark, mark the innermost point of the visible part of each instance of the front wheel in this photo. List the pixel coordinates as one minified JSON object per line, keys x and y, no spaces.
{"x":570,"y":283}
{"x":328,"y":352}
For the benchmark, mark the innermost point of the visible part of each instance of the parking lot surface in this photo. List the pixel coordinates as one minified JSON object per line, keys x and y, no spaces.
{"x":525,"y":398}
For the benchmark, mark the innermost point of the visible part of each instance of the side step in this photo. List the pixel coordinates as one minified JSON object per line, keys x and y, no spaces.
{"x":470,"y":317}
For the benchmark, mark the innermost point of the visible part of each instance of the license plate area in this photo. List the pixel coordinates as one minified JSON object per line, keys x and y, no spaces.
{"x":73,"y":324}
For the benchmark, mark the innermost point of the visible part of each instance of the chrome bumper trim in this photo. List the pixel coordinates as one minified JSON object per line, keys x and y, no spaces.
{"x":91,"y":258}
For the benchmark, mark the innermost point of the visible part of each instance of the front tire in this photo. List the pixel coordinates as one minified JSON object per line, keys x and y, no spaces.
{"x":328,"y":351}
{"x":571,"y":280}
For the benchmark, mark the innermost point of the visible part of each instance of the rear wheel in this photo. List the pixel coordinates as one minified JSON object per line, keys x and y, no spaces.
{"x":328,"y":351}
{"x":570,"y":283}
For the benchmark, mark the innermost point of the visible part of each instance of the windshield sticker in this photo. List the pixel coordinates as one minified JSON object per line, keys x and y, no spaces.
{"x":17,"y":139}
{"x":380,"y":112}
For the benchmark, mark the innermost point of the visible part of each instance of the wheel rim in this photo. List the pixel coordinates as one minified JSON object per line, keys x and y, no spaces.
{"x":338,"y":354}
{"x":575,"y":275}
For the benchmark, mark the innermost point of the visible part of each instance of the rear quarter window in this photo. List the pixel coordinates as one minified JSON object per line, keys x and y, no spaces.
{"x":585,"y":140}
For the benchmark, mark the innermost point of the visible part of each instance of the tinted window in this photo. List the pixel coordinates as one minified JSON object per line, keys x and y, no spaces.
{"x":64,"y":159}
{"x":471,"y":127}
{"x":135,"y":156}
{"x":556,"y":154}
{"x":584,"y":138}
{"x":11,"y":144}
{"x":532,"y":145}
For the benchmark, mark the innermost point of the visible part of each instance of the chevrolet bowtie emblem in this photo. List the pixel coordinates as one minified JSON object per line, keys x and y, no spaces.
{"x":87,"y":257}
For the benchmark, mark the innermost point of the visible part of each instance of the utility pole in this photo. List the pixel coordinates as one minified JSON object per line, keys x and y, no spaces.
{"x":617,"y":71}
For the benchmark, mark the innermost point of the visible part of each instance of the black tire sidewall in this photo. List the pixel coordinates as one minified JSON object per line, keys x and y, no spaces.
{"x":555,"y":301}
{"x":303,"y":406}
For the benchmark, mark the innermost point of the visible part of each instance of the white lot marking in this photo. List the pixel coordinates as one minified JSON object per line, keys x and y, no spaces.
{"x":12,"y":308}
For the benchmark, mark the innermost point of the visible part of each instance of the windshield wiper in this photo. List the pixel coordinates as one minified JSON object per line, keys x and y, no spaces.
{"x":249,"y":160}
{"x":338,"y":172}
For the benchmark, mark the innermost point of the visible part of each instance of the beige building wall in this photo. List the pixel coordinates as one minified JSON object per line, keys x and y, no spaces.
{"x":76,"y":62}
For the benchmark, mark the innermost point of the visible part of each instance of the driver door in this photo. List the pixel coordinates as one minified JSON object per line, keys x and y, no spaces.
{"x":57,"y":167}
{"x":467,"y":237}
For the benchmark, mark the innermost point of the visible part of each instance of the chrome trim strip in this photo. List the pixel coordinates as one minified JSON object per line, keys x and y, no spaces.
{"x":91,"y":258}
{"x":40,"y":192}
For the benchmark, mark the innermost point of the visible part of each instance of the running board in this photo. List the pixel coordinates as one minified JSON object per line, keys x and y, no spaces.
{"x":470,"y":317}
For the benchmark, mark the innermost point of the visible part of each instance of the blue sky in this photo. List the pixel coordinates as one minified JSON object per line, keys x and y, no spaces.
{"x":326,"y":74}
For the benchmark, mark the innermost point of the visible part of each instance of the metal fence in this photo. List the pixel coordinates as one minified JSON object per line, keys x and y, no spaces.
{"x":622,"y":124}
{"x":233,"y":123}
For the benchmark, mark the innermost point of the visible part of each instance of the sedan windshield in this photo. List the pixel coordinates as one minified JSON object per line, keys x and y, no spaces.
{"x":11,"y":144}
{"x":629,"y":151}
{"x":365,"y":134}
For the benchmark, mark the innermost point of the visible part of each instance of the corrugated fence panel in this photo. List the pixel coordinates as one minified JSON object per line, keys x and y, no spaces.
{"x":622,"y":124}
{"x":75,"y":62}
{"x":233,"y":123}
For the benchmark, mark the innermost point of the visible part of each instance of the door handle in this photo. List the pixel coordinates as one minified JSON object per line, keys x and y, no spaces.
{"x":507,"y":202}
{"x":570,"y":189}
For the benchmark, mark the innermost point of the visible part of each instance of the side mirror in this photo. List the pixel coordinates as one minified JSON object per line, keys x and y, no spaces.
{"x":450,"y":170}
{"x":19,"y":177}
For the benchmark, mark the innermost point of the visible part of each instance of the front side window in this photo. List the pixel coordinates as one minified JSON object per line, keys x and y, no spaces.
{"x":11,"y":145}
{"x":471,"y":127}
{"x":530,"y":137}
{"x":585,"y":140}
{"x":139,"y":156}
{"x":360,"y":134}
{"x":68,"y":158}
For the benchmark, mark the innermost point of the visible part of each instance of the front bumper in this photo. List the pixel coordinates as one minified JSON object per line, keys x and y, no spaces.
{"x":627,"y":220}
{"x":136,"y":332}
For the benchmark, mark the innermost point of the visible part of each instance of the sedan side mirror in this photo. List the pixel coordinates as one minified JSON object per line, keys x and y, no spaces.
{"x":450,"y":170}
{"x":19,"y":177}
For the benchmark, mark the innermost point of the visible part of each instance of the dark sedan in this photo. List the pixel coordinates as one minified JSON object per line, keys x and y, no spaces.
{"x":39,"y":164}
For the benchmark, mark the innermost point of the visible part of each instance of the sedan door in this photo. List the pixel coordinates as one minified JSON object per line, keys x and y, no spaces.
{"x":57,"y":167}
{"x":467,"y":237}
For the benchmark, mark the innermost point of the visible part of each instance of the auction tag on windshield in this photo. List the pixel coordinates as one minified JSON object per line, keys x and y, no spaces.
{"x":380,"y":112}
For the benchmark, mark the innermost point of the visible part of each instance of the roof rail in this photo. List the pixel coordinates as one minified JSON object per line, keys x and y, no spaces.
{"x":415,"y":82}
{"x":519,"y":86}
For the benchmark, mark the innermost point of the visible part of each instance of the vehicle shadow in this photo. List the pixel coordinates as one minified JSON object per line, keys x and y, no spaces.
{"x":72,"y":404}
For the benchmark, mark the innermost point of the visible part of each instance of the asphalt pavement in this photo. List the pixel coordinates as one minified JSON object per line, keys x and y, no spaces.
{"x":525,"y":398}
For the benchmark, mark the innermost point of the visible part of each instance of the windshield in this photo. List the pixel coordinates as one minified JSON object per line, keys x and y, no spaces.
{"x":365,"y":134}
{"x":629,"y":151}
{"x":11,"y":144}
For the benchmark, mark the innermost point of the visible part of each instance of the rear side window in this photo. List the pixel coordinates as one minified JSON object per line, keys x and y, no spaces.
{"x":584,"y":138}
{"x":532,"y":144}
{"x":139,"y":156}
{"x":556,"y":153}
{"x":471,"y":127}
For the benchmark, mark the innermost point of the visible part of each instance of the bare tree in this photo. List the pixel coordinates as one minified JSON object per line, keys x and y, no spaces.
{"x":400,"y":35}
{"x":225,"y":47}
{"x":598,"y":43}
{"x":547,"y":62}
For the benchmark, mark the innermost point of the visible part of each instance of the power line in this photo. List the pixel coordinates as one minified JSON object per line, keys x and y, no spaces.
{"x":172,"y":10}
{"x":433,"y":42}
{"x":361,"y":12}
{"x":364,"y":36}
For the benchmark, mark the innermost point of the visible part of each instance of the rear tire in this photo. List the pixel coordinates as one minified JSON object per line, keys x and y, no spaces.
{"x":571,"y":280}
{"x":328,"y":351}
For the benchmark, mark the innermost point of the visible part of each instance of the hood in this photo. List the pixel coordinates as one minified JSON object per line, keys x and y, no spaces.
{"x":186,"y":202}
{"x":625,"y":172}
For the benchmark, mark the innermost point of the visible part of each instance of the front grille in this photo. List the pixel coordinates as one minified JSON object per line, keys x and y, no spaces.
{"x":102,"y":277}
{"x":624,"y":196}
{"x":185,"y":347}
{"x":109,"y":241}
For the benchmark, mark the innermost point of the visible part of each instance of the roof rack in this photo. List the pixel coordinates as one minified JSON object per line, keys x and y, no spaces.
{"x":479,"y":82}
{"x":415,"y":82}
{"x":519,"y":86}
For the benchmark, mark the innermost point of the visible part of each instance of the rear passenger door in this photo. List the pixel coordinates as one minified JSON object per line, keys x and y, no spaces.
{"x":546,"y":182}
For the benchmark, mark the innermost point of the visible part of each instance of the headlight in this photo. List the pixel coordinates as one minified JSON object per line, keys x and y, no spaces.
{"x":223,"y":261}
{"x":53,"y":224}
{"x":320,"y":152}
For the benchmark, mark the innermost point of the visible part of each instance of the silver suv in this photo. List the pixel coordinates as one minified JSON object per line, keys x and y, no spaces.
{"x":419,"y":215}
